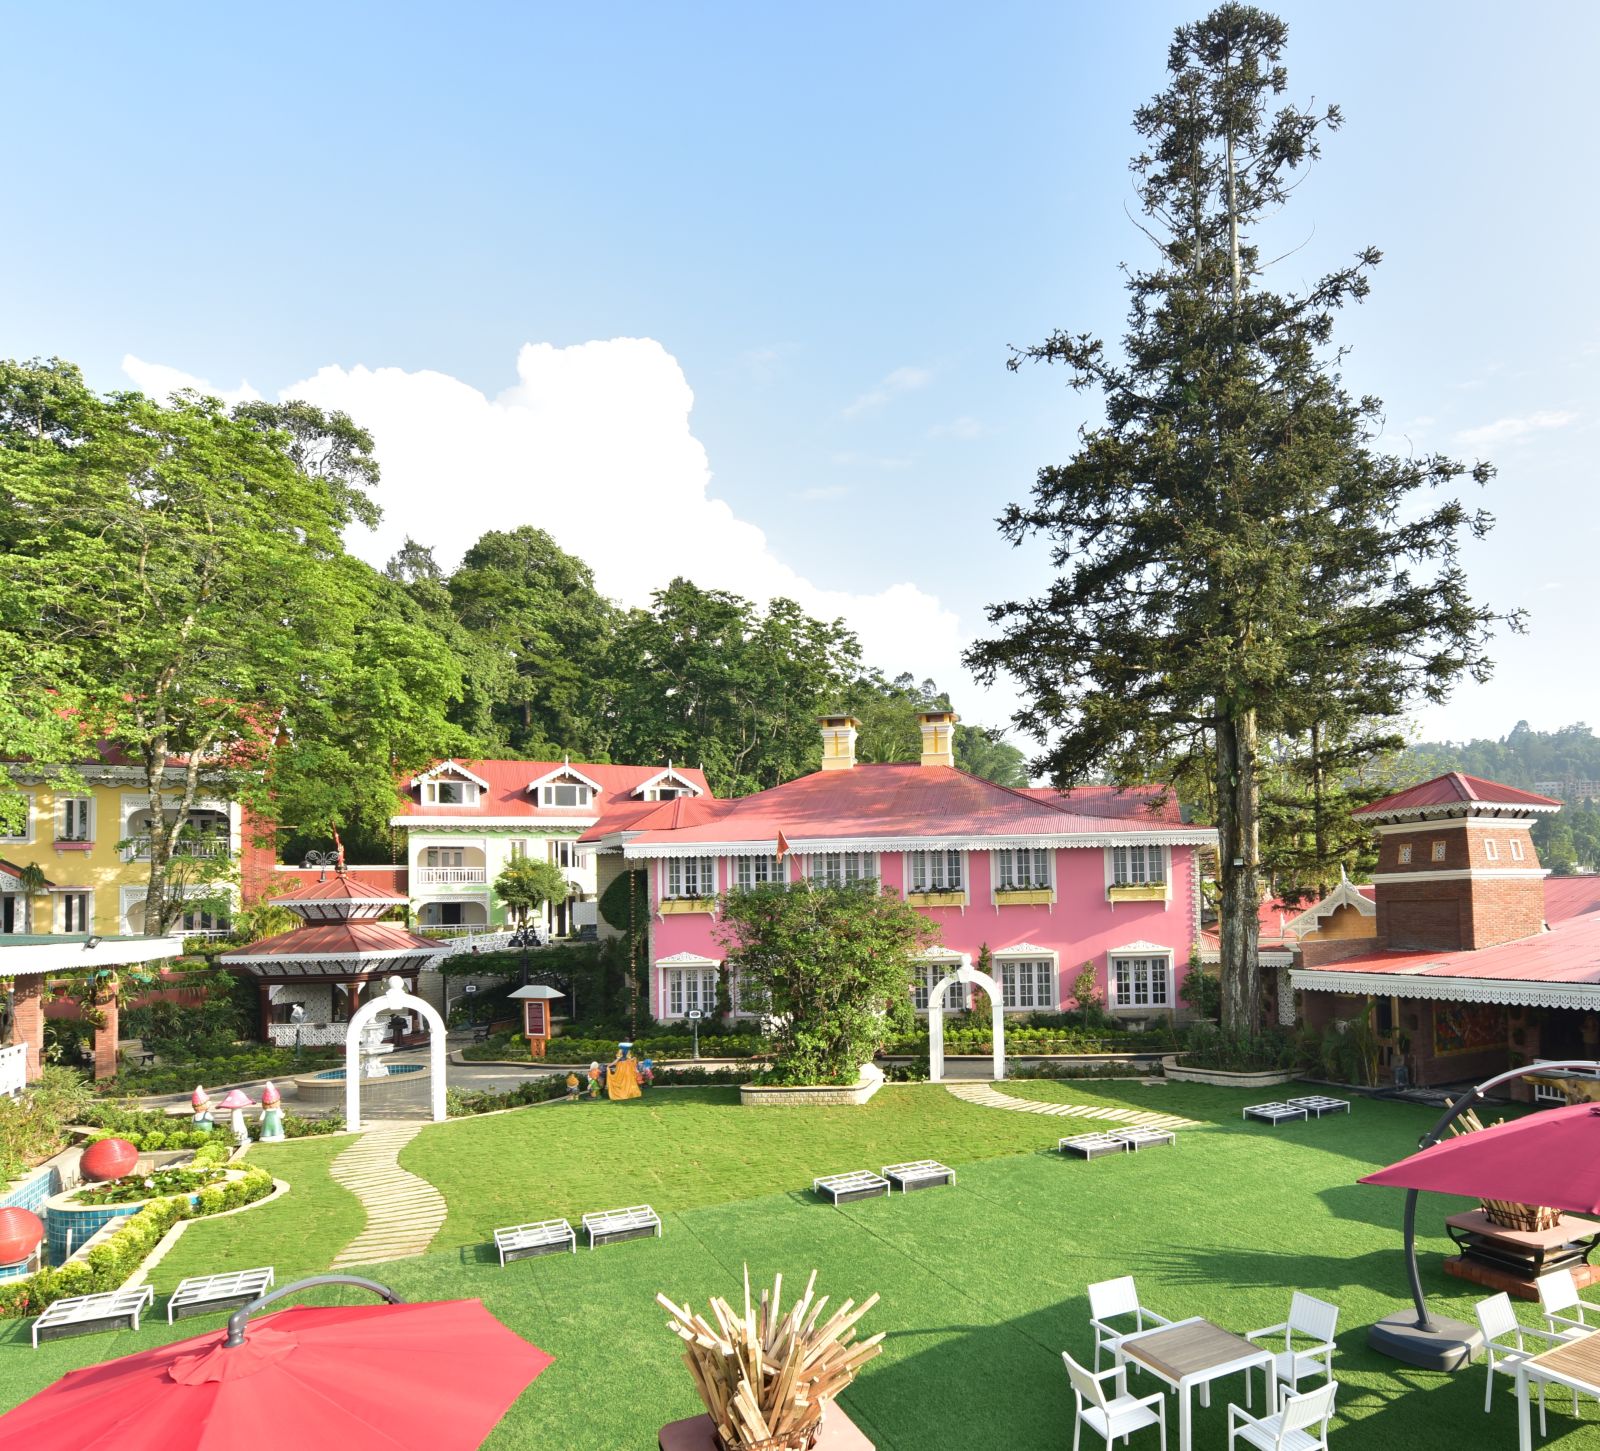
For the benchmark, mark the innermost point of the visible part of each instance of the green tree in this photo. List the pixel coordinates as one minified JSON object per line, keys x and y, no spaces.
{"x":1230,"y":530}
{"x":526,"y":884}
{"x":828,"y":961}
{"x":983,"y":751}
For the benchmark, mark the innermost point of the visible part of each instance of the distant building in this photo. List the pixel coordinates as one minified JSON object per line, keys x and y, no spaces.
{"x":1572,"y":790}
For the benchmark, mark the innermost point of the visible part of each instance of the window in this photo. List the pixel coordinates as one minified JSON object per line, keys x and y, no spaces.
{"x":756,"y":871}
{"x":1027,"y":982}
{"x":1022,"y":870}
{"x":689,"y":988}
{"x":1491,"y":852}
{"x":24,"y":822}
{"x":928,"y":976}
{"x":748,"y":1001}
{"x":77,"y":912}
{"x":1439,"y":851}
{"x":1405,"y":853}
{"x":933,"y":871}
{"x":564,"y":793}
{"x":210,"y":924}
{"x":666,"y":793}
{"x":1138,"y":866}
{"x":283,"y":1012}
{"x":1139,"y":982}
{"x":566,"y":853}
{"x":690,"y":876}
{"x":74,"y":823}
{"x":450,"y":793}
{"x":836,"y":868}
{"x":444,"y":856}
{"x":519,"y":848}
{"x":1516,"y":850}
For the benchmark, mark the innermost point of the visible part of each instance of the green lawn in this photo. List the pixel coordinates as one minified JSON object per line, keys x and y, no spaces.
{"x":982,"y":1284}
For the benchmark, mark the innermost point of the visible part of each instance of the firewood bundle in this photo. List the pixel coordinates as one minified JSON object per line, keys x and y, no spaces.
{"x":1504,"y":1212}
{"x":767,"y":1376}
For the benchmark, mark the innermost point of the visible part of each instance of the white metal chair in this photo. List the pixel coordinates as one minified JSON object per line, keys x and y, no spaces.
{"x":1118,"y":1414}
{"x":1311,"y":1319}
{"x":1111,"y":1299}
{"x":1505,"y":1347}
{"x":1291,"y":1428}
{"x":1558,"y":1293}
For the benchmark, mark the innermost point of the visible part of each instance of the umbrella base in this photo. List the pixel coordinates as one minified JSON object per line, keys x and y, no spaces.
{"x":1444,"y":1345}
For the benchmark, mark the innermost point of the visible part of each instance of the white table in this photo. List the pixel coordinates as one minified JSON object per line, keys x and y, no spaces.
{"x":1575,"y":1364}
{"x":1194,"y":1352}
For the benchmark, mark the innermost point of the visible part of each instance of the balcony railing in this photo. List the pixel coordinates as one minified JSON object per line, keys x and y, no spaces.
{"x":452,"y":876}
{"x":137,"y":848}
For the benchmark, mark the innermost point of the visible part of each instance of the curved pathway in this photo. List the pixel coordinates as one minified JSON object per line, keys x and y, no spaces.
{"x":986,"y":1096}
{"x":403,"y":1212}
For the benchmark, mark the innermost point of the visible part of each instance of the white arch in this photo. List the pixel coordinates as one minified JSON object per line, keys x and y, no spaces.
{"x":965,"y":973}
{"x":392,"y":1001}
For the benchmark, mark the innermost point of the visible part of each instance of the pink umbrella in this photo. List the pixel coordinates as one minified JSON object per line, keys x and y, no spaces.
{"x":1550,"y":1158}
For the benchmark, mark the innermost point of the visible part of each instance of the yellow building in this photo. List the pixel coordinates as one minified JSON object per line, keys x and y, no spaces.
{"x":92,"y":847}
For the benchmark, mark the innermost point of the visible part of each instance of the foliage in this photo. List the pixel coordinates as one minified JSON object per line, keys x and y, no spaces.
{"x":1206,"y":1045}
{"x":1200,"y":991}
{"x":1519,"y":758}
{"x":150,"y":1186}
{"x":526,"y":883}
{"x":261,"y":920}
{"x":1074,"y":1070}
{"x":464,"y":1103}
{"x":32,"y":1124}
{"x":572,"y":1049}
{"x":297,"y":1126}
{"x":242,"y":1065}
{"x":1023,"y":1039}
{"x":1236,"y":558}
{"x":828,"y":960}
{"x":1087,"y":997}
{"x":202,"y":1029}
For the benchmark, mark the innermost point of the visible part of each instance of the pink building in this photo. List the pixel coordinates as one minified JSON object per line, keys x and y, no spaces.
{"x":1047,"y":882}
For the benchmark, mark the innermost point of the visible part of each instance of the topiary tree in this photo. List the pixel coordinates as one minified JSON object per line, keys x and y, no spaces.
{"x":827,"y":959}
{"x":526,"y":884}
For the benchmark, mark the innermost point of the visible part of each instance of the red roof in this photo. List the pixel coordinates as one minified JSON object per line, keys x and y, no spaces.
{"x":1454,"y":788}
{"x":336,"y":888}
{"x":1566,"y":897}
{"x":888,"y":801}
{"x":1568,"y":953}
{"x":508,"y":793}
{"x":334,"y":939}
{"x":1151,"y":804}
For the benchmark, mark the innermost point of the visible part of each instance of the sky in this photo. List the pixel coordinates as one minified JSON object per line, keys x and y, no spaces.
{"x":728,"y":291}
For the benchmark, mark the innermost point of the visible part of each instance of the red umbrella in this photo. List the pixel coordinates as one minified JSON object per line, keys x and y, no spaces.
{"x":390,"y":1377}
{"x":1550,"y":1158}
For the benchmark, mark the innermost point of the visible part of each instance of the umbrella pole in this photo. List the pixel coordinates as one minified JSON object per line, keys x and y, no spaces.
{"x":241,"y":1316}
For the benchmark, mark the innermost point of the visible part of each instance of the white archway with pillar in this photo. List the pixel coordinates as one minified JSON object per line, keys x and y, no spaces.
{"x":966,"y":973}
{"x":393,"y":1001}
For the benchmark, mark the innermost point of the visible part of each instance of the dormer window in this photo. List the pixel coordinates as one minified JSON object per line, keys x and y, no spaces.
{"x":449,"y":793}
{"x":665,"y":785}
{"x":564,"y":793}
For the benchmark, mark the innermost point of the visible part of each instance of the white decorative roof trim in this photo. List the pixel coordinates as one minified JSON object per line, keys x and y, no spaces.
{"x":1022,"y":949}
{"x":1271,"y":957}
{"x":1488,"y":823}
{"x":449,"y":768}
{"x":670,"y":774}
{"x":1139,"y":946}
{"x":1512,"y":992}
{"x":472,"y":822}
{"x":571,"y":772}
{"x":1461,"y":874}
{"x":1188,"y":836}
{"x":1344,"y":895}
{"x":1453,"y":809}
{"x":361,"y":954}
{"x":687,"y":959}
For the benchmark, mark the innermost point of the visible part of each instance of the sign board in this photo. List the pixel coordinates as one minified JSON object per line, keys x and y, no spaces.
{"x":470,"y":988}
{"x":536,"y":1019}
{"x":694,"y":1015}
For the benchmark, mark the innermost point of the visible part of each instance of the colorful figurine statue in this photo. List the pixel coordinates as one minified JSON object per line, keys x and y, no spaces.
{"x":271,"y":1115}
{"x":594,"y":1079}
{"x":200,"y":1101}
{"x":238,"y":1101}
{"x":572,"y":1088}
{"x":647,"y":1072}
{"x":622,"y":1078}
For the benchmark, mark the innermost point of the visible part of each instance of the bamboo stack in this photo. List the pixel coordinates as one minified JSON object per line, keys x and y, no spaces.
{"x":1504,"y":1212}
{"x":766,"y":1376}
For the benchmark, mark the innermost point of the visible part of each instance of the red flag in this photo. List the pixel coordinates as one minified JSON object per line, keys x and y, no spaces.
{"x":783,"y":846}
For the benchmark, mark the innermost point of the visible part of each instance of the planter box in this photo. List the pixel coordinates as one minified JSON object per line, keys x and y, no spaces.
{"x":838,"y":1433}
{"x":937,"y":899}
{"x":1149,"y":892}
{"x":1225,"y":1078}
{"x":1025,"y":897}
{"x":681,"y":906}
{"x":821,"y":1095}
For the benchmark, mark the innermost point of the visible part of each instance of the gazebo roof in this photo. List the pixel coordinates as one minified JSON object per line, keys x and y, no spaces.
{"x":338,"y":897}
{"x":363,"y":944}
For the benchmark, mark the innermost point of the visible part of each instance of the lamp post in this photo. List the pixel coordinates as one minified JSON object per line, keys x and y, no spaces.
{"x":297,"y":1015}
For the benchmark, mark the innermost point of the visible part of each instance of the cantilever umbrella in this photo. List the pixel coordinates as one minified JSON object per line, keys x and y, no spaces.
{"x":394,"y":1377}
{"x":1550,"y":1158}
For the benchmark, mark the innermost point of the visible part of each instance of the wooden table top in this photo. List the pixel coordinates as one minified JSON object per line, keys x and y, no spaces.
{"x":1184,"y":1350}
{"x":1568,"y":1228}
{"x":1579,"y":1359}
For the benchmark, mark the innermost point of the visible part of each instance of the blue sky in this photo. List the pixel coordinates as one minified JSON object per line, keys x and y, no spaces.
{"x":834,"y":221}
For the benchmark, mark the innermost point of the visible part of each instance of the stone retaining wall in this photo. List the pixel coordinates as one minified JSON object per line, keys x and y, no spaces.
{"x":824,"y":1095}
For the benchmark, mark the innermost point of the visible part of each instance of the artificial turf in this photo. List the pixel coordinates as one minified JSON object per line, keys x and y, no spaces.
{"x":983,"y":1283}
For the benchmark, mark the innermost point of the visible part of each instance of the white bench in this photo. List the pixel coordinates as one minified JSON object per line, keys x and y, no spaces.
{"x":1320,"y":1103}
{"x":82,"y":1314}
{"x":918,"y":1174}
{"x":1091,"y":1146}
{"x":1273,"y":1113}
{"x":202,"y":1293}
{"x":1143,"y":1138}
{"x":843,"y":1188}
{"x":548,"y":1236}
{"x":606,"y":1226}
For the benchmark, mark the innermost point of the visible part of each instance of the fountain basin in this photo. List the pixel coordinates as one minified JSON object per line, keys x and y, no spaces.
{"x":326,"y":1088}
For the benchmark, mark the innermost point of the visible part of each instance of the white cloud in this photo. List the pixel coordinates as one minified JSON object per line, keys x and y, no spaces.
{"x":964,"y":429}
{"x":819,"y":492}
{"x":593,"y":443}
{"x":159,"y":381}
{"x":901,"y":380}
{"x":1505,"y":430}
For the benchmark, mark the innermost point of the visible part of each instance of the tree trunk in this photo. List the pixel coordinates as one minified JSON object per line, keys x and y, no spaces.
{"x":1239,"y":871}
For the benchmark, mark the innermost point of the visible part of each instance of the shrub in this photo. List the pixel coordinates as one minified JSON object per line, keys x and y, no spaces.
{"x":236,"y":1066}
{"x":32,"y":1125}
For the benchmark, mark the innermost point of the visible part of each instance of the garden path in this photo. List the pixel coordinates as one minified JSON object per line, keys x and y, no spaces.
{"x":984,"y":1096}
{"x":403,"y":1212}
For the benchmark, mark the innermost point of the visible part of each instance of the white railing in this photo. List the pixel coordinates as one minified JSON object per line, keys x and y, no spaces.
{"x":138,"y":848}
{"x":455,"y":876}
{"x":13,"y":1069}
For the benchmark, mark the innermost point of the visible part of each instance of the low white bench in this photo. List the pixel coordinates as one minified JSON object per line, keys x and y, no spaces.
{"x":202,"y":1293}
{"x":918,"y":1174}
{"x":1091,"y":1146}
{"x":546,"y":1237}
{"x":1144,"y":1138}
{"x":843,"y":1188}
{"x":83,"y":1314}
{"x":606,"y":1226}
{"x":1273,"y":1113}
{"x":1320,"y":1103}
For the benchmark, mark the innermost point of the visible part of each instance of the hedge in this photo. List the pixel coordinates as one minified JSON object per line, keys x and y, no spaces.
{"x":567,"y":1049}
{"x":1037,"y":1040}
{"x":462,"y":1104}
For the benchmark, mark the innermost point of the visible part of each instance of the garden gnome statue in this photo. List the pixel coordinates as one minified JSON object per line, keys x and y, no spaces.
{"x":271,"y":1115}
{"x":572,"y":1088}
{"x":647,"y":1072}
{"x":594,"y":1079}
{"x":200,"y":1101}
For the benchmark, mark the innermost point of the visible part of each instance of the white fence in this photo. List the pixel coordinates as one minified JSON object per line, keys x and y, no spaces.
{"x":13,"y":1069}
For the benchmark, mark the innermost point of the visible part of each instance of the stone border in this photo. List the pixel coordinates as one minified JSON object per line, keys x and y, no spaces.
{"x":813,"y":1095}
{"x":1226,"y":1078}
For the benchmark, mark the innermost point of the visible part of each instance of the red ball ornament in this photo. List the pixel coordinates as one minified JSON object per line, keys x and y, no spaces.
{"x":108,"y":1159}
{"x":21,"y":1230}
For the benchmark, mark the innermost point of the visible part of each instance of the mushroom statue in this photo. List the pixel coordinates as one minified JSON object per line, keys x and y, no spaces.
{"x":238,"y":1101}
{"x":271,"y":1115}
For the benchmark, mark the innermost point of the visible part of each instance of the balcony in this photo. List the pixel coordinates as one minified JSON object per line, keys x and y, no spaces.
{"x":452,"y":876}
{"x":137,"y":848}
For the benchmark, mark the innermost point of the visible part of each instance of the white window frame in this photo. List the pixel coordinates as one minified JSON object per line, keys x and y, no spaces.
{"x":1516,"y":851}
{"x":566,"y":846}
{"x":929,"y":974}
{"x":941,"y":870}
{"x":756,"y":871}
{"x":1016,"y":869}
{"x":1139,"y":864}
{"x":679,"y":872}
{"x":1043,"y":982}
{"x":684,"y":988}
{"x":27,"y":821}
{"x":1135,"y":960}
{"x":1491,"y":851}
{"x":69,"y":807}
{"x":840,"y":868}
{"x":517,"y":848}
{"x":434,"y":857}
{"x":468,"y":789}
{"x":582,"y":795}
{"x":64,"y":915}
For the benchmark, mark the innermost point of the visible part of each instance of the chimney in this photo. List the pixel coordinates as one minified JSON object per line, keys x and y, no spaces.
{"x":938,"y":737}
{"x":838,"y":742}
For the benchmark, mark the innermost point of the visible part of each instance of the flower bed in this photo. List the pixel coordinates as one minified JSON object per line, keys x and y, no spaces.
{"x":147,"y":1186}
{"x":461,"y":1104}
